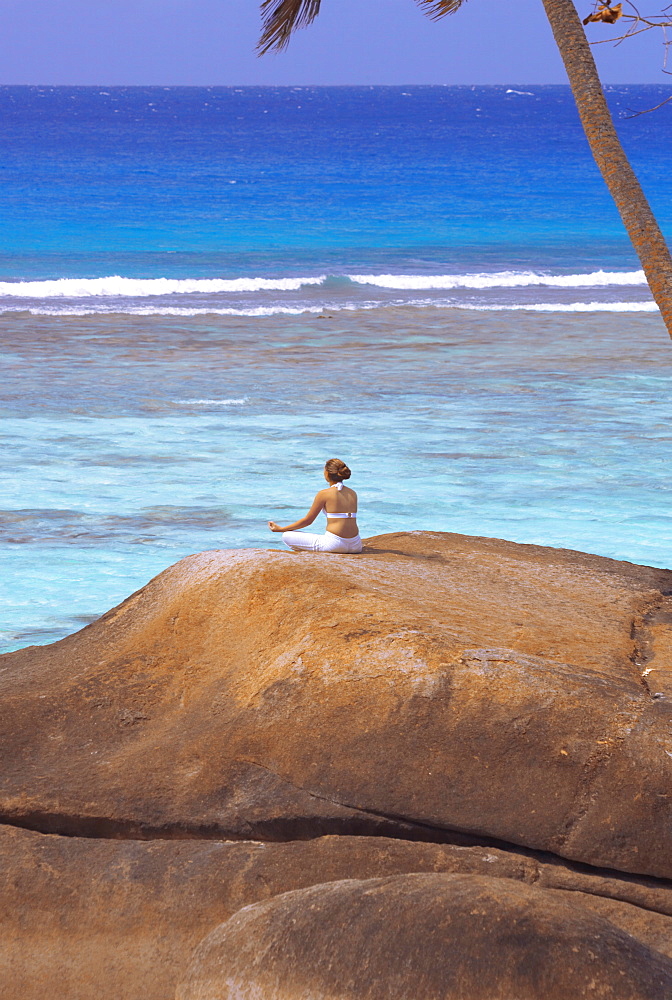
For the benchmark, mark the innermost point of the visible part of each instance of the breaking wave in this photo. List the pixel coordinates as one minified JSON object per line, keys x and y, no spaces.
{"x":500,"y":279}
{"x":524,"y":290}
{"x":79,"y":288}
{"x":115,"y":286}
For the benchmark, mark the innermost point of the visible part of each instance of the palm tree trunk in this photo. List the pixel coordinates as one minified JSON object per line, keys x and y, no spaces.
{"x":610,"y":157}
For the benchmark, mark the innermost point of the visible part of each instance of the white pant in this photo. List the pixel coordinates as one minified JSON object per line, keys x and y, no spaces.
{"x":306,"y":541}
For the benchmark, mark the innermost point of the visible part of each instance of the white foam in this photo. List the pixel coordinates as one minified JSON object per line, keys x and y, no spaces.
{"x":121,"y":310}
{"x":559,"y":307}
{"x":211,"y":402}
{"x":114,"y":285}
{"x":277,"y":310}
{"x":500,"y":279}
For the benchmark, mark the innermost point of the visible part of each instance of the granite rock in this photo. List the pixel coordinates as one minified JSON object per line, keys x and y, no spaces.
{"x":436,"y":687}
{"x":119,"y":919}
{"x":457,"y":937}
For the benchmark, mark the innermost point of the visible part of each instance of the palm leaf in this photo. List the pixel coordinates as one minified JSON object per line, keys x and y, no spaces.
{"x":438,"y":8}
{"x":281,"y":17}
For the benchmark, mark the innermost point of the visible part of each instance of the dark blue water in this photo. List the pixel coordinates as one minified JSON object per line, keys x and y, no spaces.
{"x":188,"y":182}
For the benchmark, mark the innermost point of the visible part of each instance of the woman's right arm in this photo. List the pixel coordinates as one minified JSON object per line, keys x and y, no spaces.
{"x":303,"y":522}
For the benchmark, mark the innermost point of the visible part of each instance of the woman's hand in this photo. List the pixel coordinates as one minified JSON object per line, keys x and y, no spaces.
{"x":274,"y":527}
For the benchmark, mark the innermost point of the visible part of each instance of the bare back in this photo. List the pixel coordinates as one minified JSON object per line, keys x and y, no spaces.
{"x":343,"y":501}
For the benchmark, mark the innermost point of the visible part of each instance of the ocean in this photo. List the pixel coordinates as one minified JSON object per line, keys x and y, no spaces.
{"x":206,"y":292}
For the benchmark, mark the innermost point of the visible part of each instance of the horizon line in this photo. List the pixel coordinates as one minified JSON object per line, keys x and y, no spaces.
{"x":306,"y":86}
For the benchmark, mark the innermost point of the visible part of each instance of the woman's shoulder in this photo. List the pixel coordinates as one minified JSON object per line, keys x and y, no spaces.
{"x":328,"y":491}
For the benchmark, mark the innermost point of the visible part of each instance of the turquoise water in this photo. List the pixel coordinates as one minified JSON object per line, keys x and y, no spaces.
{"x":440,"y":295}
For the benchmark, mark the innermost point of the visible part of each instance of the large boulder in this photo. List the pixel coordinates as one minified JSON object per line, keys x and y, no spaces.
{"x":119,"y":919}
{"x":436,"y":687}
{"x":430,"y":937}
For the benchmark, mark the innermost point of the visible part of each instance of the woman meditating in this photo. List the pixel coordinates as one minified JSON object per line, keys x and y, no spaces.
{"x":339,"y":503}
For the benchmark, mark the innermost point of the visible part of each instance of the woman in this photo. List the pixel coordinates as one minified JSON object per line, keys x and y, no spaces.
{"x":339,"y":503}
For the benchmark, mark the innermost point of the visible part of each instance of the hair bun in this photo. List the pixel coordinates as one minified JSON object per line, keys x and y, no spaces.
{"x":337,"y":470}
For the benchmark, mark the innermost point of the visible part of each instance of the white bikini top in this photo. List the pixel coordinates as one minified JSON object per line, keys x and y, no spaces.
{"x":339,"y":486}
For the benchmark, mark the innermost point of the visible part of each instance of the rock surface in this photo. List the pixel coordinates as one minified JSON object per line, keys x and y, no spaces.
{"x":119,"y":919}
{"x":435,"y":687}
{"x":462,"y":696}
{"x":457,"y":937}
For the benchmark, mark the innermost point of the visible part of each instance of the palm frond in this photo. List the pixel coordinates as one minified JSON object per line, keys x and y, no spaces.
{"x":280,"y":18}
{"x":438,"y":8}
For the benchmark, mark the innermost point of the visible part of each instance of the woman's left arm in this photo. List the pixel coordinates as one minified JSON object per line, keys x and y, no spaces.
{"x":316,"y":507}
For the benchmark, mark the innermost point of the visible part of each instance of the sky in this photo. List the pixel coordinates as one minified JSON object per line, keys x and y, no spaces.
{"x":211,"y":42}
